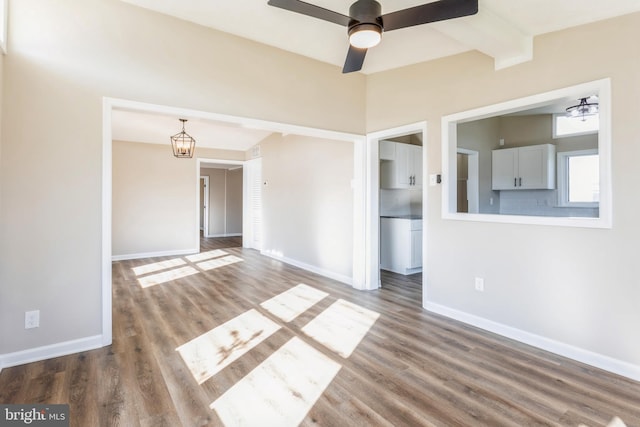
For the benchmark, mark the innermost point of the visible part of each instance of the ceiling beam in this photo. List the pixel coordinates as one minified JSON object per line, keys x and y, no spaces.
{"x":492,"y":35}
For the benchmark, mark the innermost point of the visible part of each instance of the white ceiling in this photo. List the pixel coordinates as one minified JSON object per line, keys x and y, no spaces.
{"x":502,"y":29}
{"x":135,"y":126}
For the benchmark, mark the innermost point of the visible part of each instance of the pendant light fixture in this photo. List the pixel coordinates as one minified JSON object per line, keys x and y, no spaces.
{"x":584,"y":108}
{"x":183,"y":144}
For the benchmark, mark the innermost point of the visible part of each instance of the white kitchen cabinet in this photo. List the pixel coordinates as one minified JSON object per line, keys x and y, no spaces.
{"x":524,"y":168}
{"x":400,"y":166}
{"x":401,"y":245}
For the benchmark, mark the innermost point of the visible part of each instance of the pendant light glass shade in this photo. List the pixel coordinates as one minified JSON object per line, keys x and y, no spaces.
{"x":586,"y":107}
{"x":183,"y":144}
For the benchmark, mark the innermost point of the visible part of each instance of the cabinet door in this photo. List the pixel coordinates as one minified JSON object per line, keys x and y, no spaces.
{"x":533,"y":167}
{"x":404,"y":165}
{"x":504,"y":169}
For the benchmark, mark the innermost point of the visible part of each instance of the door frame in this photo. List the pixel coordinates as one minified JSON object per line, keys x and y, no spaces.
{"x":109,"y":104}
{"x":204,"y":204}
{"x":202,"y":162}
{"x":372,"y":218}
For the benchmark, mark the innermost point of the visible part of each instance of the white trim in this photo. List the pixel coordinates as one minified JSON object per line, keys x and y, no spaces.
{"x":597,"y":360}
{"x":107,"y":325}
{"x":245,"y":122}
{"x":372,"y":219}
{"x":312,"y":268}
{"x":449,"y":136}
{"x":49,"y":351}
{"x":360,"y":236}
{"x":225,"y":235}
{"x":177,"y":252}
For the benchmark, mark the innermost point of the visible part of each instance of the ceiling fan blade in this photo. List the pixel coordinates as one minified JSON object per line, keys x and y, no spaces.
{"x":355,"y":59}
{"x":311,"y":10}
{"x":430,"y":12}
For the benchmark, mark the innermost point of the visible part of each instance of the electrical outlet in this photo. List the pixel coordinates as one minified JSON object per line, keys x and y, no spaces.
{"x":31,"y":319}
{"x":479,"y":284}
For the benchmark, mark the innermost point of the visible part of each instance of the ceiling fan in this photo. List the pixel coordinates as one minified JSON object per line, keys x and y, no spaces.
{"x":366,"y":23}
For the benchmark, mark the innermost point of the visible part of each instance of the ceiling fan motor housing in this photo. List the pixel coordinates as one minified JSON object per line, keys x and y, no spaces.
{"x":365,"y":14}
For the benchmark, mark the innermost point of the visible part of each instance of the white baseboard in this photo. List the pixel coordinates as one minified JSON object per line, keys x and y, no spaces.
{"x":314,"y":269}
{"x":177,"y":252}
{"x":225,"y":235}
{"x":49,"y":351}
{"x":576,"y":353}
{"x":404,"y":272}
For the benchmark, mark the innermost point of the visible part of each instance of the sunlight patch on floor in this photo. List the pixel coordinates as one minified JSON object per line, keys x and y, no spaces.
{"x":157,"y":266}
{"x":293,"y":302}
{"x":341,"y":327}
{"x":281,"y":390}
{"x":218,"y":262}
{"x":166,"y":276}
{"x":216,"y":253}
{"x":212,"y":351}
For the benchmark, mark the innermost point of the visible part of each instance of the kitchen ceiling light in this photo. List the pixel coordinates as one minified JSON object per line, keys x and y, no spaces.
{"x":584,"y":108}
{"x":183,"y":144}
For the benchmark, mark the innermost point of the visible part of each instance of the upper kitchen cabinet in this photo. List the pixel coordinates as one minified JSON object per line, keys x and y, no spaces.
{"x":400,"y":166}
{"x":524,"y":168}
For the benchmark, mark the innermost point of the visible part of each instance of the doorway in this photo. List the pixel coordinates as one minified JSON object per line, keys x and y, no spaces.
{"x":221,"y":201}
{"x":405,"y":199}
{"x":467,"y":181}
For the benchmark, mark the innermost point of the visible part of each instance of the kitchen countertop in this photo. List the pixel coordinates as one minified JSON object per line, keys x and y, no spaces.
{"x":402,"y":216}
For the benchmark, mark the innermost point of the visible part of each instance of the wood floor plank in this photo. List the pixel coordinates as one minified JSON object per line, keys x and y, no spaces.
{"x":412,"y":368}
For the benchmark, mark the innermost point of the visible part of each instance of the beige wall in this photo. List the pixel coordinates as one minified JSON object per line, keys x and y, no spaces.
{"x":64,"y":57}
{"x":573,"y":285}
{"x":154,"y":199}
{"x":308,"y":201}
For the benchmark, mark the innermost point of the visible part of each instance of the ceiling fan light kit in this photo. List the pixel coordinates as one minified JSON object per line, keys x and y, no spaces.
{"x":366,"y":23}
{"x":365,"y":36}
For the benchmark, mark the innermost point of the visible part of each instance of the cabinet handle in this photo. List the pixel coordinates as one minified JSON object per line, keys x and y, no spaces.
{"x":515,"y":182}
{"x":520,"y":181}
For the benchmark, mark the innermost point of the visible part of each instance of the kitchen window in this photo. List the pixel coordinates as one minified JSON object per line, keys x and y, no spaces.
{"x":579,"y":178}
{"x":565,"y":126}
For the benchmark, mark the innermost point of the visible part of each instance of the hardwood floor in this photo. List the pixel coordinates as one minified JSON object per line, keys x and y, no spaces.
{"x":411,"y":368}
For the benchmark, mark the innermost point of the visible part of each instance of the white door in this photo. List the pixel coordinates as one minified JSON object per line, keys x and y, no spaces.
{"x":252,"y":223}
